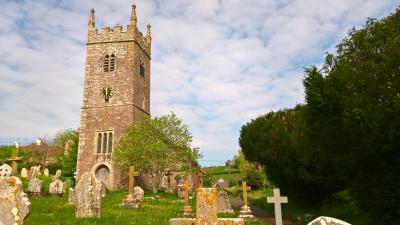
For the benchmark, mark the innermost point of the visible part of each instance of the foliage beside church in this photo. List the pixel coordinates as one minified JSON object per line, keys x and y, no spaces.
{"x":346,"y":136}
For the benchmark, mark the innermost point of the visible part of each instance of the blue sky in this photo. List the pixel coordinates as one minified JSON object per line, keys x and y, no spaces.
{"x":216,"y":64}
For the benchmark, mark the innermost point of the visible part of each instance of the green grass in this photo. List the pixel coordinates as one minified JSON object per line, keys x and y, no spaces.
{"x":56,"y":210}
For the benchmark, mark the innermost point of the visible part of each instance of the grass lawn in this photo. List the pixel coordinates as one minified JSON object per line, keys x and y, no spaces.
{"x":56,"y":210}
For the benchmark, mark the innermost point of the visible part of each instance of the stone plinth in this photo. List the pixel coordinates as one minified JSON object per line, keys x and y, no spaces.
{"x":133,"y":200}
{"x":245,"y":212}
{"x":206,"y":213}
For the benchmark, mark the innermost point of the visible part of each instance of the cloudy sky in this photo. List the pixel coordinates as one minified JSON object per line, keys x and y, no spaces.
{"x":215,"y":63}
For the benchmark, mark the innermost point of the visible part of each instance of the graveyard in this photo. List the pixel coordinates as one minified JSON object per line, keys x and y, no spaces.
{"x":200,"y":113}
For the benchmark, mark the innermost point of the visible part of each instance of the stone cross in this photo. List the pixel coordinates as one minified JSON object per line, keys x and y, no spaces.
{"x":245,"y":211}
{"x":244,"y":189}
{"x":186,"y":189}
{"x":277,"y":199}
{"x":186,"y":211}
{"x":131,"y":175}
{"x":15,"y":158}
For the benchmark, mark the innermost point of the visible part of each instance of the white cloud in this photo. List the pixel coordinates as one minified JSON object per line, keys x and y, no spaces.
{"x":217,"y":64}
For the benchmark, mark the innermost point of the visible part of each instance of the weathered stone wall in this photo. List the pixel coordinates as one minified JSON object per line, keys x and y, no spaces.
{"x":130,"y":95}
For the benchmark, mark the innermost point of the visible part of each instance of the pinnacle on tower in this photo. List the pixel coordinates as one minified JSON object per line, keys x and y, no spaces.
{"x":133,"y":15}
{"x":148,"y":34}
{"x":91,"y":22}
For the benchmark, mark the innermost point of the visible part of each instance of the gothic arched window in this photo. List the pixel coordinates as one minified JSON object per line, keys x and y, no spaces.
{"x":112,"y":62}
{"x":106,"y":63}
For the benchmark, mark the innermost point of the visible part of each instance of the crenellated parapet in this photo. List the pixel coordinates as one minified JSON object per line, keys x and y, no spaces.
{"x":118,"y":34}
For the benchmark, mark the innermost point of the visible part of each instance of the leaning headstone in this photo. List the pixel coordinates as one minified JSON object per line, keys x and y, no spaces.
{"x":57,"y":175}
{"x":46,"y":172}
{"x":206,"y":212}
{"x":35,"y":186}
{"x":223,"y":204}
{"x":323,"y":220}
{"x":88,"y":196}
{"x":71,"y":196}
{"x":15,"y":205}
{"x":57,"y":187}
{"x":24,"y":172}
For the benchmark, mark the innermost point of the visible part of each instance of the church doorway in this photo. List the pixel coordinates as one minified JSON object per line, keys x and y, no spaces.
{"x":103,"y":175}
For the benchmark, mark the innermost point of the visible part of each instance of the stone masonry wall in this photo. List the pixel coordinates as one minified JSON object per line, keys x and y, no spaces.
{"x":130,"y":95}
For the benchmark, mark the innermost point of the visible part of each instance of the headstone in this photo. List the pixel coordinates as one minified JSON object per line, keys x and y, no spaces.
{"x":30,"y":172}
{"x":277,"y":200}
{"x":323,"y":220}
{"x":221,"y":183}
{"x":57,"y":187}
{"x":5,"y":171}
{"x":33,"y":172}
{"x":223,"y":204}
{"x":46,"y":172}
{"x":206,"y":213}
{"x":88,"y":196}
{"x":133,"y":200}
{"x":57,"y":175}
{"x":24,"y":172}
{"x":35,"y":186}
{"x":71,"y":196}
{"x":206,"y":206}
{"x":14,"y":204}
{"x":245,"y":211}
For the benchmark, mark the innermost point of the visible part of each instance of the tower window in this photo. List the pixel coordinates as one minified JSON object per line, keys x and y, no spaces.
{"x":112,"y":62}
{"x":141,"y":70}
{"x":109,"y":63}
{"x":104,"y":142}
{"x":110,"y":139}
{"x":99,"y":136}
{"x":106,"y":63}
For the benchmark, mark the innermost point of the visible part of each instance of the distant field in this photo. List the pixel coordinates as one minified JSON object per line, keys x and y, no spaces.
{"x":214,"y":173}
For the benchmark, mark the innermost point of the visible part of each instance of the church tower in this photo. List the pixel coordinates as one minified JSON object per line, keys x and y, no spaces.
{"x":116,"y":93}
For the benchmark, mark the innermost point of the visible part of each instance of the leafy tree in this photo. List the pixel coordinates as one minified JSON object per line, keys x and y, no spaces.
{"x":67,"y":161}
{"x":252,"y":173}
{"x":155,"y":144}
{"x":278,"y":141}
{"x":353,"y":110}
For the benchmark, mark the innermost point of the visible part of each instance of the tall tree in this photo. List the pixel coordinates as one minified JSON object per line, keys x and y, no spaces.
{"x":156,"y":144}
{"x":353,"y":106}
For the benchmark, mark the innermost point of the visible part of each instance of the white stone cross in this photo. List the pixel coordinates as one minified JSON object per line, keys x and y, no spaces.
{"x":277,"y":200}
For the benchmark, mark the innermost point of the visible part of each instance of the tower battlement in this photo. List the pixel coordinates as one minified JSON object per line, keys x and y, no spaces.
{"x":118,"y":34}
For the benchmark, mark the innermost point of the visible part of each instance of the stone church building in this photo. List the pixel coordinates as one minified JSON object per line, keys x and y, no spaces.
{"x":116,"y":93}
